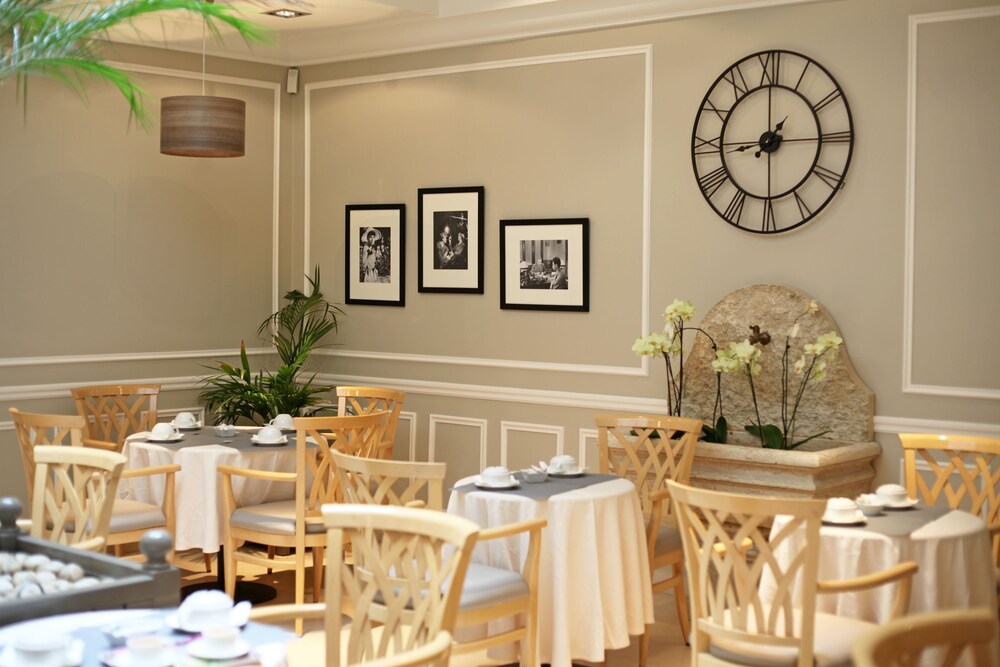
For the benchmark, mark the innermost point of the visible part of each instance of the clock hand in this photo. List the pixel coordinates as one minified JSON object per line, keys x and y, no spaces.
{"x":777,"y":128}
{"x":742,"y":148}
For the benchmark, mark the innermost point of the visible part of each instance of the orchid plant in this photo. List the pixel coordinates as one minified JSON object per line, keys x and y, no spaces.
{"x":810,"y":365}
{"x":670,"y":345}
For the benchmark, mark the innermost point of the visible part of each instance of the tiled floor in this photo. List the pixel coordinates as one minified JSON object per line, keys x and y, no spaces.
{"x":666,"y":646}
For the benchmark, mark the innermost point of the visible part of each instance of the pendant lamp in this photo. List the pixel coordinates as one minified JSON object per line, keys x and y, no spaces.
{"x":202,"y":125}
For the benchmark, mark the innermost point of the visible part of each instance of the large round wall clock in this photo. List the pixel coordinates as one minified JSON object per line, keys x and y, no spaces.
{"x":772,"y":142}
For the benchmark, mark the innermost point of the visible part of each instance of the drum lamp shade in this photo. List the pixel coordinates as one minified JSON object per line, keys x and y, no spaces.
{"x":202,"y":126}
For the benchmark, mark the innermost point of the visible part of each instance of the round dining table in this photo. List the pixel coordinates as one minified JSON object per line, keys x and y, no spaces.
{"x":594,"y":580}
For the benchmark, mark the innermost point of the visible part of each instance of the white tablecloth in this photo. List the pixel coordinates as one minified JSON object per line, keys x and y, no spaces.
{"x":594,"y":574}
{"x":953,"y":553}
{"x":198,"y":494}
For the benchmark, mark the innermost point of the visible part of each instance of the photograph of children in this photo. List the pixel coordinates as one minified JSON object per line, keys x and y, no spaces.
{"x":543,"y":265}
{"x":376,"y":255}
{"x":451,"y":234}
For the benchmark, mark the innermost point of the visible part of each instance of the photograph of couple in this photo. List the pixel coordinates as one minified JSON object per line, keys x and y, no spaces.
{"x":451,"y":229}
{"x":543,"y":264}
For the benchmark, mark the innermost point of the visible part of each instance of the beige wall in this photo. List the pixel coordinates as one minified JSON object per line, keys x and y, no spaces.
{"x":100,"y":231}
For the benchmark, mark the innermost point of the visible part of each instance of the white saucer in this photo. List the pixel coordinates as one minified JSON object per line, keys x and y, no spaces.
{"x":906,"y":504}
{"x":512,"y":484}
{"x":199,"y":648}
{"x":275,"y":443}
{"x":74,"y":655}
{"x":193,"y":427}
{"x":238,"y":617}
{"x":121,"y":657}
{"x":579,"y":472}
{"x":858,"y":520}
{"x":173,"y":438}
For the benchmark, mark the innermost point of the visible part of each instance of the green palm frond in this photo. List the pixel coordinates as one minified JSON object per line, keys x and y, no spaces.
{"x":50,"y":38}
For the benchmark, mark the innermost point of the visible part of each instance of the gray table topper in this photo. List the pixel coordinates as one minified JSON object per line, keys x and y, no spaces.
{"x":206,"y":436}
{"x":902,"y":523}
{"x":552,"y":486}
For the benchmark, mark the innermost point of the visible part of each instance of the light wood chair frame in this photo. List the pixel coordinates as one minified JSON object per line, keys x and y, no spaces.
{"x":725,"y":600}
{"x":373,"y":593}
{"x":901,"y":643}
{"x":73,"y":494}
{"x":628,"y":449}
{"x":115,"y":411}
{"x":370,"y":481}
{"x":34,"y":429}
{"x":315,"y":485}
{"x":367,"y":400}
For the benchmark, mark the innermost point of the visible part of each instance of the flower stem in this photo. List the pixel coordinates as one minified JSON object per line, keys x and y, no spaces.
{"x":802,"y":388}
{"x":753,"y":393}
{"x":680,"y":392}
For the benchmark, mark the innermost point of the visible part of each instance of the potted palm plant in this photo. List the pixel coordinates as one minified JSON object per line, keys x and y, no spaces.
{"x":294,"y":330}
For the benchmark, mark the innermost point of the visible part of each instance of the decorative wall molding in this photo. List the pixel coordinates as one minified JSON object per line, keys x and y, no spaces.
{"x":897,"y":425}
{"x":61,"y":390}
{"x":481,"y":424}
{"x":643,"y":50}
{"x":411,"y":419}
{"x":546,"y":429}
{"x":909,"y":387}
{"x":585,"y":435}
{"x":8,"y":362}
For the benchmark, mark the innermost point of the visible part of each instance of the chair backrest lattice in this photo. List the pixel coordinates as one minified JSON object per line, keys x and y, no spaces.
{"x":648,"y":451}
{"x":959,"y":636}
{"x":725,"y":575}
{"x":316,"y":438}
{"x":367,"y":481}
{"x":368,"y":400}
{"x":405,"y":584}
{"x":114,"y":412}
{"x":74,"y":492}
{"x":34,"y":429}
{"x":962,"y":471}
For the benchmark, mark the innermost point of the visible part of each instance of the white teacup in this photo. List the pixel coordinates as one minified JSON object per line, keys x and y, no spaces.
{"x":225,"y":430}
{"x":269,"y":434}
{"x":284,"y":421}
{"x":206,"y":609}
{"x":496,"y":475}
{"x":39,"y":649}
{"x":891,"y":493}
{"x":220,"y":639}
{"x":165,"y":431}
{"x":841,"y":509}
{"x":146,"y":649}
{"x":185,"y":420}
{"x":563,"y":463}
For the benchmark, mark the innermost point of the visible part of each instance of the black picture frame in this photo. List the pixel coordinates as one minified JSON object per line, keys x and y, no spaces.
{"x":450,"y":239}
{"x":545,"y":264}
{"x":375,"y":254}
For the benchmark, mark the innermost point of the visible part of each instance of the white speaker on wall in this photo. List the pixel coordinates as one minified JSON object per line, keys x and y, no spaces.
{"x":292,"y":82}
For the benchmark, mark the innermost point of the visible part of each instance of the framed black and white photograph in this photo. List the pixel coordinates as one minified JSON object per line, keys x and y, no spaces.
{"x":450,"y":239}
{"x":374,"y":248}
{"x":545,"y":264}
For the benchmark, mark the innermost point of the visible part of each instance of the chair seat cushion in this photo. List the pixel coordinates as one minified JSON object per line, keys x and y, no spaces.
{"x":129,"y":515}
{"x":486,"y":586}
{"x":277,"y":518}
{"x":834,"y":637}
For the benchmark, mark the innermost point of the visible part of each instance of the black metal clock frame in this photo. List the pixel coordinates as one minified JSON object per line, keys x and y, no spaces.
{"x":785,"y":72}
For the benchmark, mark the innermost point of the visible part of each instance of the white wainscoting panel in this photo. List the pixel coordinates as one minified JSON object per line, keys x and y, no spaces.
{"x":452,"y":420}
{"x":559,"y":432}
{"x":588,"y":447}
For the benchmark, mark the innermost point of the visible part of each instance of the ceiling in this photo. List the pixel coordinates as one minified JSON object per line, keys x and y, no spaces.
{"x":345,"y":29}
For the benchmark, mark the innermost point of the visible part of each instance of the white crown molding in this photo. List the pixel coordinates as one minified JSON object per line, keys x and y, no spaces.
{"x":642,"y":50}
{"x":411,"y":419}
{"x":545,"y":429}
{"x":897,"y":425}
{"x":909,"y":387}
{"x":480,"y":424}
{"x":585,"y":435}
{"x":61,"y":390}
{"x":127,"y":356}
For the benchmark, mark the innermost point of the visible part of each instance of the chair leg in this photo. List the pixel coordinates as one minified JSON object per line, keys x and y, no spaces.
{"x":529,"y":645}
{"x":680,"y":598}
{"x":318,"y":564}
{"x":300,"y":585}
{"x":208,"y":561}
{"x":644,"y":647}
{"x":229,"y":558}
{"x":271,"y":550}
{"x":119,"y":550}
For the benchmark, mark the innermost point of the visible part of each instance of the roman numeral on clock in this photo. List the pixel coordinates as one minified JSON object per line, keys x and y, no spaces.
{"x":713,"y":180}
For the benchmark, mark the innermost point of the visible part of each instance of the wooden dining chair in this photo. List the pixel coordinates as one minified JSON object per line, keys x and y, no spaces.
{"x":295,"y":523}
{"x":129,"y":518}
{"x":649,"y":451}
{"x":365,"y":401}
{"x":489,"y":593}
{"x":115,"y":411}
{"x":401,"y":593}
{"x":731,"y":623}
{"x":956,"y":634}
{"x":74,"y":491}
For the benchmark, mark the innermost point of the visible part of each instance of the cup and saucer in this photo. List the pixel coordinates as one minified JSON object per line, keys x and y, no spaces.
{"x":38,"y":649}
{"x":185,"y":421}
{"x":565,"y":465}
{"x":219,"y":643}
{"x":269,"y":436}
{"x":843,"y":512}
{"x":142,"y":651}
{"x":164,"y":432}
{"x":895,"y":497}
{"x":208,"y":609}
{"x":283,"y":421}
{"x":496,"y":477}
